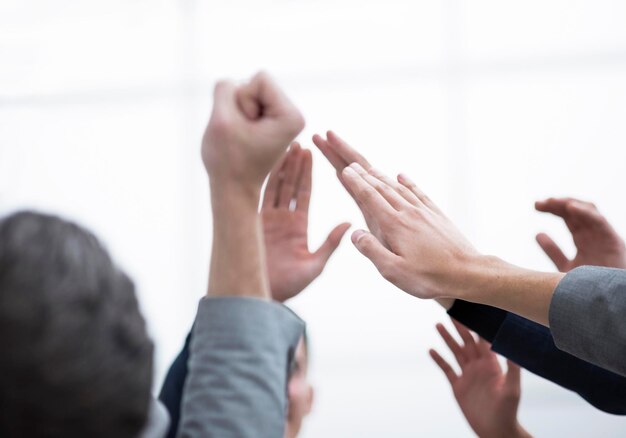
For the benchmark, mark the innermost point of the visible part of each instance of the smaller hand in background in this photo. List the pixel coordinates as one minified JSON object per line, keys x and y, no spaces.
{"x":597,"y":242}
{"x":488,"y":397}
{"x":285,"y":215}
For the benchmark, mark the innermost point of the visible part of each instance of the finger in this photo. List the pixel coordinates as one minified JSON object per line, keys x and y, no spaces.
{"x":291,"y":170}
{"x":484,"y":347}
{"x":224,"y":98}
{"x":452,"y":344}
{"x":261,"y":96}
{"x":337,"y":162}
{"x":365,"y":195}
{"x":407,"y":194}
{"x":444,"y":366}
{"x":331,"y":243}
{"x":272,"y":188}
{"x":303,"y":189}
{"x":555,"y":206}
{"x":553,"y":251}
{"x":587,"y":213}
{"x":393,"y":198}
{"x":423,"y":198}
{"x":381,"y":257}
{"x":559,"y":208}
{"x":471,"y":350}
{"x":513,"y":375}
{"x":345,"y":151}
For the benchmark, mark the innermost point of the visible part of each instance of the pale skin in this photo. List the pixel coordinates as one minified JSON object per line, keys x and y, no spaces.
{"x":291,"y":265}
{"x":417,"y":248}
{"x":285,"y":215}
{"x":487,"y":395}
{"x":250,"y":128}
{"x":597,"y":243}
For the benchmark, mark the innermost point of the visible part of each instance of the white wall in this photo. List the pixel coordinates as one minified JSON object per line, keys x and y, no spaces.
{"x":489,"y":105}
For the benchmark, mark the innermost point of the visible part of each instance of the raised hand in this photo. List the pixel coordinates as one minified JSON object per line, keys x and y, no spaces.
{"x":423,"y":252}
{"x":417,"y":248}
{"x":340,"y":154}
{"x":488,"y":397}
{"x":597,"y":242}
{"x":285,"y":213}
{"x":250,"y":128}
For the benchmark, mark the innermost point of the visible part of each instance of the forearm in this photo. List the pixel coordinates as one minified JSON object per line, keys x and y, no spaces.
{"x":237,"y":259}
{"x":491,"y":281}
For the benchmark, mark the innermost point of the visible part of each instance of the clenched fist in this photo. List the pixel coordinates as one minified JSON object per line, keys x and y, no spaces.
{"x":250,"y":129}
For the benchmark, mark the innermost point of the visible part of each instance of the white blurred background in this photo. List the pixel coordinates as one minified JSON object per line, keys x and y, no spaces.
{"x":488,"y":105}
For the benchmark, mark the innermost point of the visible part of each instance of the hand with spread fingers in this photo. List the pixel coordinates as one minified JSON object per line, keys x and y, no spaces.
{"x":340,"y":155}
{"x":419,"y":249}
{"x":285,"y":213}
{"x":488,"y":397}
{"x":396,"y":244}
{"x":597,"y":242}
{"x":416,"y":247}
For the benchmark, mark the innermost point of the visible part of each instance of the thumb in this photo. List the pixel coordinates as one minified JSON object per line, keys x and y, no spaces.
{"x":552,"y":250}
{"x":370,"y":247}
{"x":224,"y":97}
{"x":331,"y":243}
{"x":249,"y":101}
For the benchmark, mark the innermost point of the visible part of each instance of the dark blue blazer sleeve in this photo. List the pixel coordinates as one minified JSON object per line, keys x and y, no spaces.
{"x":172,"y":391}
{"x":531,"y":346}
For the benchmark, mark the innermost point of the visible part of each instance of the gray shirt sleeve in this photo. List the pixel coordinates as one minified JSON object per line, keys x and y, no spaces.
{"x":241,"y":351}
{"x":588,"y":316}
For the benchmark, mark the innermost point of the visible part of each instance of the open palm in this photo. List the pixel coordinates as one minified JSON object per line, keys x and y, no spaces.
{"x":488,"y":397}
{"x":285,"y":214}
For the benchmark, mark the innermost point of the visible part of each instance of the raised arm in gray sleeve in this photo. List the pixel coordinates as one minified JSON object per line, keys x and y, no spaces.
{"x":588,"y":316}
{"x":241,"y":351}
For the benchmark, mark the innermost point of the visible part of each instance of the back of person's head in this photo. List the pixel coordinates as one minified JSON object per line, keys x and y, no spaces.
{"x":76,"y":358}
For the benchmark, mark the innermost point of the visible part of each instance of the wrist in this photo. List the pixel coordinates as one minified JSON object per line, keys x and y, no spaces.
{"x":491,"y":281}
{"x":229,"y":197}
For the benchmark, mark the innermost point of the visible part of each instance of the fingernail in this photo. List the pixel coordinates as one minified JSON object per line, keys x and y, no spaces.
{"x":404,"y":177}
{"x":356,"y":236}
{"x":356,"y":166}
{"x":576,"y":204}
{"x":349,"y":172}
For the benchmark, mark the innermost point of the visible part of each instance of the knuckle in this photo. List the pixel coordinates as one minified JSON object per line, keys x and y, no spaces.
{"x":261,"y":76}
{"x":298,"y":121}
{"x":219,"y":85}
{"x":220,"y":124}
{"x":381,"y":188}
{"x":367,"y":194}
{"x":388,"y":272}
